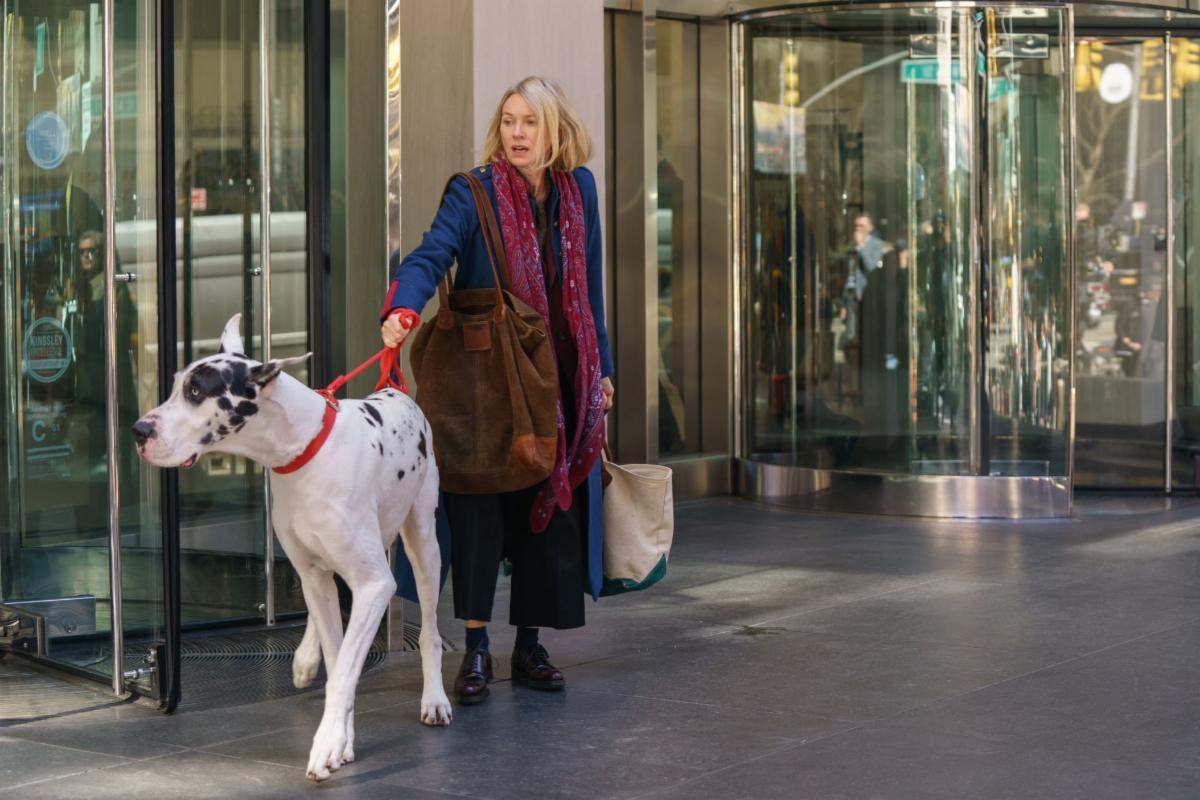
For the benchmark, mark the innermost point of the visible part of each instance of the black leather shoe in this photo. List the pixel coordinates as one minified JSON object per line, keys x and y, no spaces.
{"x":471,"y":685}
{"x":532,"y":668}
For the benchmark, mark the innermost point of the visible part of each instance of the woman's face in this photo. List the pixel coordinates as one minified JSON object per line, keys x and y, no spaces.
{"x":89,"y":254}
{"x":519,"y":133}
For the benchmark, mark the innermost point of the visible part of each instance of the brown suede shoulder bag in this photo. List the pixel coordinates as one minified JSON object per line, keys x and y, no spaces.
{"x":487,"y":380}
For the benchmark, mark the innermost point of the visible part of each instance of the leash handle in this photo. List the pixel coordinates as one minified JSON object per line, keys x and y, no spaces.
{"x":389,"y":361}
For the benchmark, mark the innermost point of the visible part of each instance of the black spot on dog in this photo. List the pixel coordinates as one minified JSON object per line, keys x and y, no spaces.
{"x":237,"y":422}
{"x":206,"y":439}
{"x":204,"y":383}
{"x":380,"y":446}
{"x":246,"y":409}
{"x":370,"y":409}
{"x":421,"y":445}
{"x":400,"y":475}
{"x":225,"y":404}
{"x":238,"y":375}
{"x":222,"y":430}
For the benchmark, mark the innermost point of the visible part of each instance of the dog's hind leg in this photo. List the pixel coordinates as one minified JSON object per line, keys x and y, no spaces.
{"x":366,"y":572}
{"x":419,"y":537}
{"x":307,"y":658}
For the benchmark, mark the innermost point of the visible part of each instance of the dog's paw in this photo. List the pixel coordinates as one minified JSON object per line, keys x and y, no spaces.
{"x":328,"y":750}
{"x":435,"y":710}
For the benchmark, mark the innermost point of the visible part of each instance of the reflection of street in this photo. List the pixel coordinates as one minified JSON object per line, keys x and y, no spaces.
{"x":1097,"y":354}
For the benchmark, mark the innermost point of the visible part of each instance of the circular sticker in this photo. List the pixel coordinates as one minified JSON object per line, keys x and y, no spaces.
{"x":47,"y":140}
{"x":47,"y":350}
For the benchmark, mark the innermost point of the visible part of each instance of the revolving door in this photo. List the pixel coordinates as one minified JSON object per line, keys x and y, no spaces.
{"x":905,"y":259}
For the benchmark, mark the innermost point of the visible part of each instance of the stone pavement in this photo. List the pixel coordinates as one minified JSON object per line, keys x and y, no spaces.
{"x":787,"y":655}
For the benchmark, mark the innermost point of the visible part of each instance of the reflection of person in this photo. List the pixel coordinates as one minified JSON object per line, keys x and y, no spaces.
{"x":1129,"y":329}
{"x":1153,"y":333}
{"x":45,"y":288}
{"x":87,"y":327}
{"x":672,"y":427}
{"x":533,"y":156}
{"x":885,"y":350}
{"x":867,"y":243}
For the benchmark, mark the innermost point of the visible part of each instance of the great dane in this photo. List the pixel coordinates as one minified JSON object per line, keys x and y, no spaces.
{"x":338,"y":512}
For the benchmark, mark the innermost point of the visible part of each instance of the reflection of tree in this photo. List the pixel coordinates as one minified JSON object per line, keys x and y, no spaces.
{"x":1092,"y":166}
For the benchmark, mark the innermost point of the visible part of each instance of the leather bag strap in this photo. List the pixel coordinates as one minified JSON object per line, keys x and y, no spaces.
{"x":493,"y":243}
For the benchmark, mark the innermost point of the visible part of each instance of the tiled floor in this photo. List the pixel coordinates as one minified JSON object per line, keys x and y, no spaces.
{"x":787,"y":655}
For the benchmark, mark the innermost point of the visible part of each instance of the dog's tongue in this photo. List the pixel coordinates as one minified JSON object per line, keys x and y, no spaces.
{"x":191,"y":461}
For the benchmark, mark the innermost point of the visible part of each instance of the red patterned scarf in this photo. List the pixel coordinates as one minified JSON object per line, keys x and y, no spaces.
{"x":576,"y":457}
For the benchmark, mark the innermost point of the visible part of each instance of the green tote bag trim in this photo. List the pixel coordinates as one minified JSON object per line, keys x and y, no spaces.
{"x":621,"y":585}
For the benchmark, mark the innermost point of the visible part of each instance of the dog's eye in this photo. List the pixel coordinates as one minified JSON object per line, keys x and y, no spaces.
{"x":194,"y":392}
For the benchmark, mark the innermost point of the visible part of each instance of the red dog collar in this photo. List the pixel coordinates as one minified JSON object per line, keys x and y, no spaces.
{"x":331,"y":412}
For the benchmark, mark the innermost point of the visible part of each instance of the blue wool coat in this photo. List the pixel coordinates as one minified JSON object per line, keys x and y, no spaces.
{"x":457,"y":236}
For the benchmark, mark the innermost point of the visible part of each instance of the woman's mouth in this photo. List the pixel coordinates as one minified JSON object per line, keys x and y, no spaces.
{"x":520,"y":149}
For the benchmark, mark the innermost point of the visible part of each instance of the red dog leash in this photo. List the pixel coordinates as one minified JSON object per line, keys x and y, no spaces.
{"x":389,"y":362}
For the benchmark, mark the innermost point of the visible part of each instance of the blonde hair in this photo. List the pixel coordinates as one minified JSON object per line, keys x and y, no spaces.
{"x":570,"y":145}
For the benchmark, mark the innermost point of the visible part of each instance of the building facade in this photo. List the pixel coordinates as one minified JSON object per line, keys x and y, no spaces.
{"x":893,"y":257}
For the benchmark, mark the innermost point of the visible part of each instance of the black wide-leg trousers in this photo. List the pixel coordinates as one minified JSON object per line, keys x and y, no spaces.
{"x":549,"y":569}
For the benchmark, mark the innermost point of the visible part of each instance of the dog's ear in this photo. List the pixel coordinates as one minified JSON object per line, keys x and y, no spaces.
{"x":231,"y":338}
{"x":264,"y":374}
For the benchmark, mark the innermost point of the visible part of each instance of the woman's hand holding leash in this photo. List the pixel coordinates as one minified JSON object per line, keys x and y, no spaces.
{"x":606,"y":386}
{"x":397,"y":326}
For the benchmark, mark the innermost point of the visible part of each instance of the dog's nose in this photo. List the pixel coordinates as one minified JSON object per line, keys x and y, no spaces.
{"x":142,"y":430}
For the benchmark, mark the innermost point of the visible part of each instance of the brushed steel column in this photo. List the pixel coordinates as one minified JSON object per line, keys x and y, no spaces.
{"x":110,"y":358}
{"x":265,"y":8}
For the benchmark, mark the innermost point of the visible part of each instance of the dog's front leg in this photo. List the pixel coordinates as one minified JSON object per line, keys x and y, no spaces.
{"x":372,"y":584}
{"x":419,"y":538}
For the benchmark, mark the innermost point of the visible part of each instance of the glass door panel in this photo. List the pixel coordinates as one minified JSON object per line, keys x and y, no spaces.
{"x":223,"y":518}
{"x":678,"y":98}
{"x":1185,"y":126}
{"x":859,"y":198}
{"x":136,"y":335}
{"x":58,"y":388}
{"x":1120,"y":262}
{"x":1026,"y":384}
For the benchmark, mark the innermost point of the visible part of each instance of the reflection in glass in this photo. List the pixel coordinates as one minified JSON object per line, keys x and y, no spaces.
{"x":223,"y":519}
{"x":54,"y":533}
{"x":859,"y":220}
{"x":1121,"y":250}
{"x":136,"y":173}
{"x":1185,"y":99}
{"x":1026,"y":310}
{"x":678,"y":239}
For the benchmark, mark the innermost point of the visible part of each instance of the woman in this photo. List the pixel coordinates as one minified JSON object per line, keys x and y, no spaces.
{"x":546,"y":204}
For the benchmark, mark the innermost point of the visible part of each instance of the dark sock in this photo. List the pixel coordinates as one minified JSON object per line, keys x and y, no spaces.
{"x":477,"y":639}
{"x":527,"y":639}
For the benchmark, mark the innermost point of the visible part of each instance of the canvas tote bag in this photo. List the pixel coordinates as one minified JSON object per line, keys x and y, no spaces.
{"x":639,"y":524}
